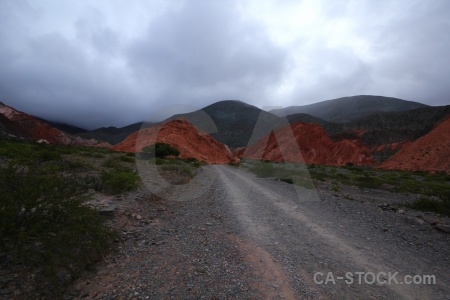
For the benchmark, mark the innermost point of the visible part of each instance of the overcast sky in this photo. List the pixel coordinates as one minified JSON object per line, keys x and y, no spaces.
{"x":110,"y":62}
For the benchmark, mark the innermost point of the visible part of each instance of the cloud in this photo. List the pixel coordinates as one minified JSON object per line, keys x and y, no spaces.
{"x":113,"y":63}
{"x":206,"y":51}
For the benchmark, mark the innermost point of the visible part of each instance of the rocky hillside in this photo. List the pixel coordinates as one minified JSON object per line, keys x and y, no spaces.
{"x":17,"y":124}
{"x":233,"y":122}
{"x":430,"y":152}
{"x":386,"y":133}
{"x":182,"y":135}
{"x":314,"y":144}
{"x":347,"y":109}
{"x":112,"y":135}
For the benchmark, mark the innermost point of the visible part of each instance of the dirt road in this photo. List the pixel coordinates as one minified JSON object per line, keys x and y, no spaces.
{"x":306,"y":233}
{"x":252,"y":238}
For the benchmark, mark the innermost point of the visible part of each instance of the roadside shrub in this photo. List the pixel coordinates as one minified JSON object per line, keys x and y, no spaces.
{"x":190,"y":160}
{"x":112,"y":162}
{"x":197,"y":164}
{"x":117,"y":181}
{"x":129,"y":159}
{"x":234,"y":164}
{"x":161,"y":150}
{"x":44,"y":224}
{"x":441,"y":206}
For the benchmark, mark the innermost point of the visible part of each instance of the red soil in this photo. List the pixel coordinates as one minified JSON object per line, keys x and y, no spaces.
{"x":26,"y":126}
{"x":182,"y":135}
{"x":430,"y":152}
{"x":285,"y":144}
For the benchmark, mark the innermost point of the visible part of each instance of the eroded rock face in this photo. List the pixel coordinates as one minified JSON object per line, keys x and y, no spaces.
{"x":430,"y":152}
{"x":314,"y":144}
{"x":182,"y":135}
{"x":28,"y":127}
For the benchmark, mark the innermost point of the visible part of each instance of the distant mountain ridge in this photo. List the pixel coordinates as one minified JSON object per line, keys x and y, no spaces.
{"x":67,"y":128}
{"x":347,"y":109}
{"x":20,"y":125}
{"x":234,"y":121}
{"x":112,"y":135}
{"x":237,"y":124}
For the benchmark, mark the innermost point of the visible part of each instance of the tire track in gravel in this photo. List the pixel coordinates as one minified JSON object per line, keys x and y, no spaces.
{"x":259,"y":208}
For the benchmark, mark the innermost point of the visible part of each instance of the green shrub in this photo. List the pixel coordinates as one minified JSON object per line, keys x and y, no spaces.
{"x":287,"y":180}
{"x":44,"y":224}
{"x":161,"y":150}
{"x":119,"y":181}
{"x":126,"y":158}
{"x":441,"y":206}
{"x":335,"y":188}
{"x":112,"y":162}
{"x":234,"y":164}
{"x":190,"y":160}
{"x":197,"y":164}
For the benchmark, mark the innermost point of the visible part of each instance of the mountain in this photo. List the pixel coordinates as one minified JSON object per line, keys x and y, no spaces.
{"x":182,"y":135}
{"x":112,"y":135}
{"x":14,"y":123}
{"x":430,"y":152}
{"x":66,"y":127}
{"x":386,"y":133}
{"x":348,"y":109}
{"x":232,"y":122}
{"x":331,"y":128}
{"x":311,"y":140}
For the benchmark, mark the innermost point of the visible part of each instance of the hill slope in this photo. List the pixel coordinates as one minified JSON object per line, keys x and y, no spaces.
{"x":315,"y":147}
{"x":112,"y":135}
{"x":347,"y":109}
{"x":14,"y":123}
{"x":431,"y":152}
{"x":234,"y":122}
{"x":182,"y":135}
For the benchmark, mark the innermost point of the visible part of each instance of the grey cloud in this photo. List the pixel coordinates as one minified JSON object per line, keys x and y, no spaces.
{"x":199,"y":52}
{"x":205,"y":51}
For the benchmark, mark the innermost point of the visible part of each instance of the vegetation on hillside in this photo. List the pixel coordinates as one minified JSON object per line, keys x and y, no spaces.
{"x":161,"y":150}
{"x":435,"y":187}
{"x":45,"y":225}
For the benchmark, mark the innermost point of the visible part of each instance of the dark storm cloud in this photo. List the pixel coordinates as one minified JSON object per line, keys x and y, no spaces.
{"x":206,"y":52}
{"x":199,"y":52}
{"x":113,"y":63}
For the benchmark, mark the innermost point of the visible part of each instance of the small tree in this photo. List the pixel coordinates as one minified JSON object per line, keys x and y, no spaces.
{"x":161,"y":150}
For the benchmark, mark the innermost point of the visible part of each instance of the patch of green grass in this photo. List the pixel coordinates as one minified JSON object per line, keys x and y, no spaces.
{"x":441,"y":206}
{"x":112,"y":162}
{"x":234,"y":164}
{"x":128,"y":159}
{"x":293,"y":173}
{"x":44,"y":224}
{"x":335,"y":188}
{"x":117,"y":181}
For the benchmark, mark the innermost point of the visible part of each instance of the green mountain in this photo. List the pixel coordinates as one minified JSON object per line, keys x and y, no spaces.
{"x":347,"y":109}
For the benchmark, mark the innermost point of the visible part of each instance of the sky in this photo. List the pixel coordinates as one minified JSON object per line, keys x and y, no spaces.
{"x":113,"y":62}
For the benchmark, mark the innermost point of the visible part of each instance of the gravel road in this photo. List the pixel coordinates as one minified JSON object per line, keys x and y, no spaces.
{"x":252,"y":238}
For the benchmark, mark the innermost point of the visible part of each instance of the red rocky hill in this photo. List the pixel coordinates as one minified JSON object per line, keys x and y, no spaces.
{"x":18,"y":124}
{"x":315,"y":146}
{"x":182,"y":135}
{"x":430,"y":152}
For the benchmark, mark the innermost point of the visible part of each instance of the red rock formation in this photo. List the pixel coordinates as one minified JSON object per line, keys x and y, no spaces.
{"x":314,"y":144}
{"x":430,"y":152}
{"x":182,"y":135}
{"x":26,"y":126}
